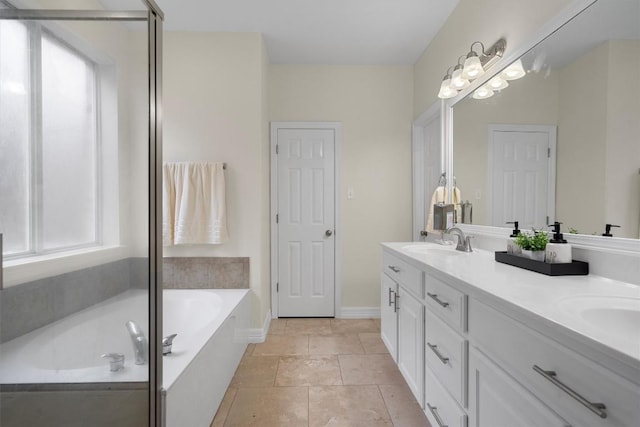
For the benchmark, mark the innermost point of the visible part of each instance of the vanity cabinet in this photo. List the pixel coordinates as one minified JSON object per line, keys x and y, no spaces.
{"x":497,"y":400}
{"x":581,"y":391}
{"x":388,"y":315}
{"x":411,"y":341}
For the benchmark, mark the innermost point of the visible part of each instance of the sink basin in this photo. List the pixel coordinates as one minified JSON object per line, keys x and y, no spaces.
{"x":617,"y":316}
{"x":432,"y":249}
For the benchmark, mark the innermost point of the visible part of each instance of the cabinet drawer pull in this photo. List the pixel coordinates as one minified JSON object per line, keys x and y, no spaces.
{"x":391,"y":301}
{"x":395,"y":303}
{"x":597,"y":408}
{"x":434,"y":348}
{"x":394,"y":269}
{"x":434,"y":411}
{"x":438,"y":300}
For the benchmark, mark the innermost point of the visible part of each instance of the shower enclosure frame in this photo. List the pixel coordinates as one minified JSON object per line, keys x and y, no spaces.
{"x":154,"y":18}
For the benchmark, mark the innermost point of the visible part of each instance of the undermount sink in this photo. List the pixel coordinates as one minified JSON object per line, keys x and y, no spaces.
{"x":617,"y":316}
{"x":432,"y":249}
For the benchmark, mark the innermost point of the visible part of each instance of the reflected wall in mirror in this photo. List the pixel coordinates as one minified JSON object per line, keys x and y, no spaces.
{"x":579,"y":104}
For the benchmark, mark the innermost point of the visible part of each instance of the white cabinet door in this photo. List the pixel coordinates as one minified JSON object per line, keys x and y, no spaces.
{"x":388,"y":315}
{"x":411,"y":342}
{"x":497,"y":400}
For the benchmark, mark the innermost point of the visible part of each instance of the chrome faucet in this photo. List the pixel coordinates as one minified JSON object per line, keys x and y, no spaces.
{"x":139,"y":342}
{"x":464,"y":242}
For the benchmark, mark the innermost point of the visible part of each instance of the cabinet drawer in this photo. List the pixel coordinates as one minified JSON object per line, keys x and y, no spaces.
{"x":518,"y":349}
{"x":446,"y":356}
{"x":448,"y":303}
{"x":440,"y":408}
{"x":403,"y":273}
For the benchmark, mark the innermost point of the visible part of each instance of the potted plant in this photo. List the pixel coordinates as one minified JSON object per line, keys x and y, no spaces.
{"x":533,"y":244}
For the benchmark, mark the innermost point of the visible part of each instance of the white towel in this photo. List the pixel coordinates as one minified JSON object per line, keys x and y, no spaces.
{"x":193,"y":207}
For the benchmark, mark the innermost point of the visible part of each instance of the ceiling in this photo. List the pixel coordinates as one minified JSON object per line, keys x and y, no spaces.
{"x":347,"y":32}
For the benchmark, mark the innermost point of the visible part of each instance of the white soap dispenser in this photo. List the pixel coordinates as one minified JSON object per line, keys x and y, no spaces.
{"x":558,"y":251}
{"x":512,"y":247}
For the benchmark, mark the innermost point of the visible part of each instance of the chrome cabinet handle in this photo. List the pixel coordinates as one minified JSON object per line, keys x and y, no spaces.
{"x":438,"y":300}
{"x":394,"y":269}
{"x":434,"y":348}
{"x":597,"y":408}
{"x":390,"y":300}
{"x":395,"y":303}
{"x":434,"y":411}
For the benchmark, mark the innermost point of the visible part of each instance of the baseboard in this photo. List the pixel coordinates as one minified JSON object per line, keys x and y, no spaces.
{"x":258,"y":335}
{"x":360,"y":312}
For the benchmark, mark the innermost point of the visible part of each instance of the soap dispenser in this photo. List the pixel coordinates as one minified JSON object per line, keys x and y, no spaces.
{"x":512,"y":247}
{"x":558,"y":251}
{"x":607,"y":230}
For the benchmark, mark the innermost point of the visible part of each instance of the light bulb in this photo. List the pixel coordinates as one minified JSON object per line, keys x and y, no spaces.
{"x":457,"y":81}
{"x":483,"y":92}
{"x":498,"y":83}
{"x":472,"y":67}
{"x":513,"y":71}
{"x":446,"y":90}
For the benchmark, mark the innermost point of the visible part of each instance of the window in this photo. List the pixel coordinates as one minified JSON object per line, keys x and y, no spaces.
{"x":49,"y":145}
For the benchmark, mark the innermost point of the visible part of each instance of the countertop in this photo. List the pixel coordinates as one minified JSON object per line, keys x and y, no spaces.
{"x":552,"y":304}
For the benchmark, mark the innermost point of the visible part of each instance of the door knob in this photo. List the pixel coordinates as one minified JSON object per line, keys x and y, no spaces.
{"x":328,"y":233}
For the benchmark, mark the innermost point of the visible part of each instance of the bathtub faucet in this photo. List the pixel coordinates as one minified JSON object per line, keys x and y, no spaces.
{"x":139,"y":342}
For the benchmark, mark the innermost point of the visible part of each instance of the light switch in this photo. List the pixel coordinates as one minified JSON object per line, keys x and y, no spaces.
{"x":478,"y":194}
{"x":350,"y":193}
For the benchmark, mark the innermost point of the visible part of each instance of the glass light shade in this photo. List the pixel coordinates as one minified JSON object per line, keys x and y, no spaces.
{"x":483,"y":92}
{"x":472,"y":68}
{"x":513,"y":71}
{"x":497,"y":83}
{"x":457,"y":81}
{"x":446,"y":90}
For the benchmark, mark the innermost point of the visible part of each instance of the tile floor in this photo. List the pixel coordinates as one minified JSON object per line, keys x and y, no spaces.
{"x":319,"y":372}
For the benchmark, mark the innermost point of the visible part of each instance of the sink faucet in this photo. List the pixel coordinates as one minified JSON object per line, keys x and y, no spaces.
{"x":464,"y":242}
{"x":139,"y":342}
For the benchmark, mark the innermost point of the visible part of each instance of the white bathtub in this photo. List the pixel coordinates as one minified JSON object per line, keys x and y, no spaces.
{"x":212,"y":328}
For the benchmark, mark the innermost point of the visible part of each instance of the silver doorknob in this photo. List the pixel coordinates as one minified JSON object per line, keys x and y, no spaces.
{"x":328,"y":233}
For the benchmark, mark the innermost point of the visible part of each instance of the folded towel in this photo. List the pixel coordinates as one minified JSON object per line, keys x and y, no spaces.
{"x":194,"y":207}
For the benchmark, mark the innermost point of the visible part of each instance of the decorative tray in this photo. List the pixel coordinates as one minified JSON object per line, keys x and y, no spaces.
{"x":574,"y":268}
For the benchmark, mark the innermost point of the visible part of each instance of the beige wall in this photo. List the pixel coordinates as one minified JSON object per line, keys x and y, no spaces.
{"x":477,"y":20}
{"x":374,"y":106}
{"x":215,"y":110}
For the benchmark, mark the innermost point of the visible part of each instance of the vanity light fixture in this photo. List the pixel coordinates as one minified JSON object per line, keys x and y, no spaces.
{"x":474,"y":66}
{"x":446,"y":88}
{"x":498,"y":83}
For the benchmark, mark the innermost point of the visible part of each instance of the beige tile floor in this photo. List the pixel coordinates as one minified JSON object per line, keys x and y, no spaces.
{"x":319,"y":372}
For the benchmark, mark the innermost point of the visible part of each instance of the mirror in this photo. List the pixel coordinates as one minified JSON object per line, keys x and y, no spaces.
{"x":561,"y":143}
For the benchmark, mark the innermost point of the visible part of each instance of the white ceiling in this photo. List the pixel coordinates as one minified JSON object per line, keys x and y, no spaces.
{"x":357,"y":32}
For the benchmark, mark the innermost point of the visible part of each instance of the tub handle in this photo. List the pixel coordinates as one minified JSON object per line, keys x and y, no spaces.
{"x":167,"y":342}
{"x":117,"y":361}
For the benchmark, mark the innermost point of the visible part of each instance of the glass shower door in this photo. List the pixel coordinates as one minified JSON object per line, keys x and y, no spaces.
{"x":79,"y":139}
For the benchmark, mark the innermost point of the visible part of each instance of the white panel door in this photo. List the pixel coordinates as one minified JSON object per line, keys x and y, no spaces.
{"x":411,"y":342}
{"x":426,"y":171}
{"x":389,"y":315}
{"x":522,"y":185}
{"x":306,"y":222}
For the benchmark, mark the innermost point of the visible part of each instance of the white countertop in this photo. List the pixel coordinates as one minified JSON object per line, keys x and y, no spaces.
{"x":551,"y":300}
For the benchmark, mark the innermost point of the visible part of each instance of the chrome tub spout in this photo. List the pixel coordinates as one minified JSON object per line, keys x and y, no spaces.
{"x":139,"y":341}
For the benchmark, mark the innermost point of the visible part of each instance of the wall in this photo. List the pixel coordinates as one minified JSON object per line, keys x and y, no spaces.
{"x":373,"y":103}
{"x":214,"y":110}
{"x":476,"y":20}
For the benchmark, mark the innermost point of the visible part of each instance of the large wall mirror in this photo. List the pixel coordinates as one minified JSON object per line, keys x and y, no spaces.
{"x":561,"y":143}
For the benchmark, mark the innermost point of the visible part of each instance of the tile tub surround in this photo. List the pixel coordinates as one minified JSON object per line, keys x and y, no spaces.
{"x":317,"y":372}
{"x":31,"y":305}
{"x":205,"y":273}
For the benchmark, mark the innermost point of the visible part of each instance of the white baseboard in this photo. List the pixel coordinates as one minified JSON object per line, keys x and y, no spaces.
{"x":258,"y":335}
{"x":360,"y":312}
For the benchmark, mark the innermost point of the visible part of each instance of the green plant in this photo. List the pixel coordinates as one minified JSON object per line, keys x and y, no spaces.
{"x":573,"y":230}
{"x":532,"y":241}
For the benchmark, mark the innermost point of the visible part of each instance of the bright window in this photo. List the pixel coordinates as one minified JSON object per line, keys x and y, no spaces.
{"x":49,"y":144}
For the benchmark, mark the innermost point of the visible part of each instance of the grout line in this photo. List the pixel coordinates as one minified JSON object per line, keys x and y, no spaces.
{"x":386,"y":405}
{"x":308,"y":406}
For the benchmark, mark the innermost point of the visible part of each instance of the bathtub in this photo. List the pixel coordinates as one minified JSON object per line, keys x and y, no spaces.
{"x":212,"y":327}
